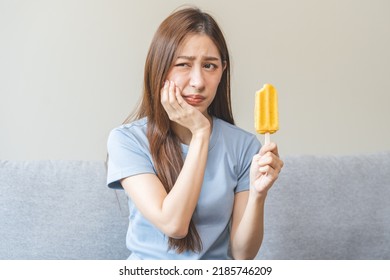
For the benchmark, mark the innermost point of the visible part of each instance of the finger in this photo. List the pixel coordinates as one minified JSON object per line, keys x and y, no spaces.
{"x":165,"y":101}
{"x":266,"y":158}
{"x":275,"y":149}
{"x":271,"y":174}
{"x":272,"y":160}
{"x":256,"y":158}
{"x":164,"y":94}
{"x":255,"y":161}
{"x":172,"y":96}
{"x":265,"y":169}
{"x":271,"y":147}
{"x":265,"y":181}
{"x":169,"y":94}
{"x":180,"y":99}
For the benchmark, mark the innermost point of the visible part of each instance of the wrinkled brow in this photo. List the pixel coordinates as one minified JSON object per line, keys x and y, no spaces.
{"x":191,"y":58}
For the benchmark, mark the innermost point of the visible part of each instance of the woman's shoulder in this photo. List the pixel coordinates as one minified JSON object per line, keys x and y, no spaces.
{"x":233,"y":130}
{"x":236,"y":140}
{"x":133,"y":130}
{"x":134,"y":126}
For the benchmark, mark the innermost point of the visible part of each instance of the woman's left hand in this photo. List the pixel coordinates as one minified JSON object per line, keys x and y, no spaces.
{"x":265,"y":169}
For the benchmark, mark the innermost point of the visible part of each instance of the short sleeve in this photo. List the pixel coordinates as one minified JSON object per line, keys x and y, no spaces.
{"x":128,"y":155}
{"x":250,"y":149}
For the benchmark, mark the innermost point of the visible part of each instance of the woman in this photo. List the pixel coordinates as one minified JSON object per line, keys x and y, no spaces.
{"x":196,"y":183}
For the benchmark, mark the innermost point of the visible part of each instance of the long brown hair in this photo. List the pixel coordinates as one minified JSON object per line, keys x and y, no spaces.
{"x":164,"y":145}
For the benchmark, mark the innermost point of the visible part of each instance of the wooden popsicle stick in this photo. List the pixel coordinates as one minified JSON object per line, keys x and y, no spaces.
{"x":267,"y":138}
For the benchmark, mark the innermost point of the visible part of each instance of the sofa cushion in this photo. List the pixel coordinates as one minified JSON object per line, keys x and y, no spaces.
{"x":329,"y":207}
{"x":60,"y":210}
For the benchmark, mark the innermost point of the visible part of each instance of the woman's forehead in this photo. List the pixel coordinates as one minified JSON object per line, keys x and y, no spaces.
{"x":195,"y":45}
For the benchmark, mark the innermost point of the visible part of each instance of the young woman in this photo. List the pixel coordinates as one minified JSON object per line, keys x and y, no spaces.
{"x":196,"y":183}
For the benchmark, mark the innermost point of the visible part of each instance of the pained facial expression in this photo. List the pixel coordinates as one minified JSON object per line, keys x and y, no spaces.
{"x":197,"y":70}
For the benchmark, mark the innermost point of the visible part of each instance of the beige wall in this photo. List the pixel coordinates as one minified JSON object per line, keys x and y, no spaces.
{"x":70,"y":71}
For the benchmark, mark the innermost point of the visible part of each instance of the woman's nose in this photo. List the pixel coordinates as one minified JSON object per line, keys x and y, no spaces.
{"x":197,"y":79}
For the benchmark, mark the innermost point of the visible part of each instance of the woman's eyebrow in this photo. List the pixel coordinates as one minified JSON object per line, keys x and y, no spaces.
{"x":192,"y":58}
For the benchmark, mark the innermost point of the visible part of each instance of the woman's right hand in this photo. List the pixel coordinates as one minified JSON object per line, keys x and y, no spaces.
{"x":179,"y":111}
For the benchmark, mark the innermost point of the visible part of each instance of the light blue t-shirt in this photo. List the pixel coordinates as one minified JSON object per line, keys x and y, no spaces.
{"x":227,"y":172}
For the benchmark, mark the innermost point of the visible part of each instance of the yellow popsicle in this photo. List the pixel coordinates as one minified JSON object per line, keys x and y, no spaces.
{"x":266,"y":111}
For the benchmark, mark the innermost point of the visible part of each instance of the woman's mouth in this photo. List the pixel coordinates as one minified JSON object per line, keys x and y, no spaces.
{"x":194,"y":99}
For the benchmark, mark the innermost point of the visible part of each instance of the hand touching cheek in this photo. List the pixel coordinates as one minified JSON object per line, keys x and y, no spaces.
{"x":179,"y":111}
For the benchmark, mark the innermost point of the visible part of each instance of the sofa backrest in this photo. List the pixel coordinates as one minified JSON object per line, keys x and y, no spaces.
{"x":329,"y":207}
{"x":60,"y":210}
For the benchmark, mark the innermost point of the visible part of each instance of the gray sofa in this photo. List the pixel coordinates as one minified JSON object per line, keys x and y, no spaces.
{"x":322,"y":207}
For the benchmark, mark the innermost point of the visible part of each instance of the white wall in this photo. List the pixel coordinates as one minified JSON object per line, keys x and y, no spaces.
{"x":71,"y":70}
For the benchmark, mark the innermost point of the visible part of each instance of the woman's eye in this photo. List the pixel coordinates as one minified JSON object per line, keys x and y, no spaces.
{"x":182,"y":65}
{"x":210,"y":66}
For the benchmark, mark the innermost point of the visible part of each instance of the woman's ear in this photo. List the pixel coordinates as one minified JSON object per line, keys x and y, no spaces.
{"x":223,"y":65}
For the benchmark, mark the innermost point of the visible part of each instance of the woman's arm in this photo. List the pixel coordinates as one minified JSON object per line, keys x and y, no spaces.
{"x":172,"y":212}
{"x":248,"y":211}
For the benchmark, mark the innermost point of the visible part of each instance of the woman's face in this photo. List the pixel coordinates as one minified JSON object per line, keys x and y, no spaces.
{"x":197,"y":70}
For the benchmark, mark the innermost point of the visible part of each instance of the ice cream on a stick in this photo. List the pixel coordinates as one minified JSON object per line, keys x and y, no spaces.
{"x":266,"y":111}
